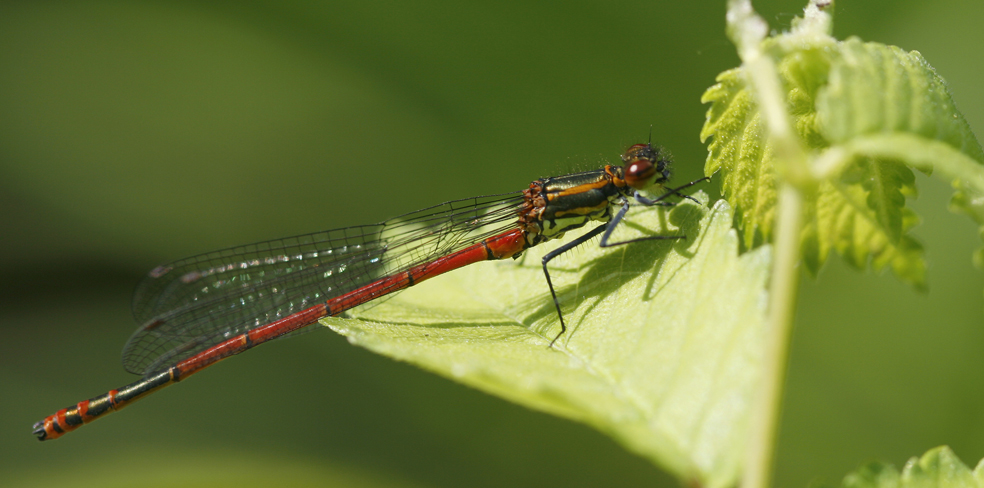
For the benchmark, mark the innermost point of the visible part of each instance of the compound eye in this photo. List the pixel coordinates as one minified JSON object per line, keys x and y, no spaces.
{"x":635,"y":152}
{"x":639,"y":173}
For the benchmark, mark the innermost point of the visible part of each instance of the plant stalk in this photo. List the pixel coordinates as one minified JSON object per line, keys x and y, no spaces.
{"x":791,"y":160}
{"x":760,"y":457}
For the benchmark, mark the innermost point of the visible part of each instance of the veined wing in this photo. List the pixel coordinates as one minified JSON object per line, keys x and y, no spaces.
{"x":192,"y":304}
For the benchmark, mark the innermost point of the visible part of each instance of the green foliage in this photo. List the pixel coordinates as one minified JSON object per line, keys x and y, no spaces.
{"x":665,"y":344}
{"x":815,"y":141}
{"x":144,"y":131}
{"x":939,"y":467}
{"x":662,"y":349}
{"x":868,"y":113}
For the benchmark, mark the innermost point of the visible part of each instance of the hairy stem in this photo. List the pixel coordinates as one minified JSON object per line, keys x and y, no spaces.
{"x":782,"y":307}
{"x":747,"y":30}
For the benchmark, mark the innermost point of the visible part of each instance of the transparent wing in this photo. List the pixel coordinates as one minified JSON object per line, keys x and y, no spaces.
{"x":190,"y":305}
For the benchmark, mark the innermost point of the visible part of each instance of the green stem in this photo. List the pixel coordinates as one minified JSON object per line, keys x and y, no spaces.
{"x":760,"y":456}
{"x":747,"y":30}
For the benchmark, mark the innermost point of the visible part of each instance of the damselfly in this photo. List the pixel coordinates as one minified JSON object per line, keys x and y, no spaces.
{"x":199,"y":310}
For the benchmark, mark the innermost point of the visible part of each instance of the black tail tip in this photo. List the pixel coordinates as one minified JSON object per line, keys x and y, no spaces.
{"x":39,"y":431}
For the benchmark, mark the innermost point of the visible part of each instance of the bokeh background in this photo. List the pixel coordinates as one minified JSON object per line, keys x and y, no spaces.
{"x":132,"y":133}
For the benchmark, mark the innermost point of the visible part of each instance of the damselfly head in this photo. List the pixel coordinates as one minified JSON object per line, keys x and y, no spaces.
{"x":645,"y":165}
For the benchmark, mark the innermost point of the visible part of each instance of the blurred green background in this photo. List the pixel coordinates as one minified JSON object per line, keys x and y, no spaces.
{"x":135,"y":133}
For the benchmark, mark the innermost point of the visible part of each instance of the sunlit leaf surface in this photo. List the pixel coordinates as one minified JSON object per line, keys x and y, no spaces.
{"x":662,"y":347}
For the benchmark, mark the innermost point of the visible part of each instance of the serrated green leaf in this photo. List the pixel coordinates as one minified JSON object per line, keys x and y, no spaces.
{"x":963,"y":169}
{"x":850,"y":102}
{"x":874,"y":88}
{"x":938,"y":468}
{"x":663,"y":342}
{"x":873,"y":475}
{"x":739,"y":154}
{"x":861,"y":216}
